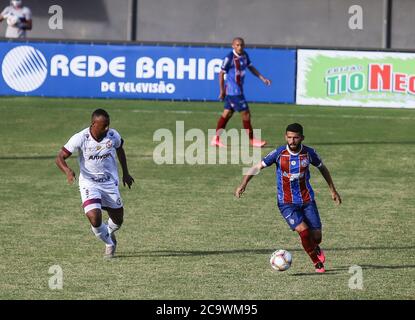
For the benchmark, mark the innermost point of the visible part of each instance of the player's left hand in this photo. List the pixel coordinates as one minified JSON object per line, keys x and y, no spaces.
{"x":266,"y":81}
{"x":336,"y":197}
{"x":127,"y":180}
{"x":239,"y":191}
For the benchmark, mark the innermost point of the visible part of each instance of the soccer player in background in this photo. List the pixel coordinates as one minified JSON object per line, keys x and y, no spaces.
{"x":231,"y":91}
{"x":19,"y":19}
{"x":97,"y":147}
{"x":295,"y":196}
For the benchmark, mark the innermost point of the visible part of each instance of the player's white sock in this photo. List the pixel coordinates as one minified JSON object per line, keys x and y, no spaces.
{"x":112,"y":227}
{"x":102,"y":233}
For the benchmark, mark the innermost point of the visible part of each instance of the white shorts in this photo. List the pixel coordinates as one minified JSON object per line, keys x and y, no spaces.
{"x":98,"y":196}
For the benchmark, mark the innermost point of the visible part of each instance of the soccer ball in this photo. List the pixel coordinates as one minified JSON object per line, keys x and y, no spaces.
{"x":281,"y":260}
{"x":12,"y":20}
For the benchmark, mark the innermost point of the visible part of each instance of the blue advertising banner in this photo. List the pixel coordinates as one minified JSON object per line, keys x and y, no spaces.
{"x":137,"y":71}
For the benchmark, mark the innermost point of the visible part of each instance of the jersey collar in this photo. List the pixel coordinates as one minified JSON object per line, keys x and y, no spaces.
{"x":89,"y":131}
{"x":292,"y":153}
{"x":234,"y":52}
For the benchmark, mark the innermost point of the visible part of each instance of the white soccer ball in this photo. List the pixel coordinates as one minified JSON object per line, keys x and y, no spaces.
{"x":12,"y":20}
{"x":281,"y":260}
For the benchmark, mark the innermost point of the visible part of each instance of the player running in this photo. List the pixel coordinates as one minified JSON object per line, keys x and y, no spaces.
{"x":19,"y":19}
{"x":295,"y":196}
{"x":97,"y":147}
{"x":231,"y":90}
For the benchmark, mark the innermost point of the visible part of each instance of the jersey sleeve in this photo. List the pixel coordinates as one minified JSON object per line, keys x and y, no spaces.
{"x":5,"y":12}
{"x":248,"y":60}
{"x":73,"y":144}
{"x":270,"y":158}
{"x":226,"y":63}
{"x":315,"y":159}
{"x":27,"y":14}
{"x":118,"y":141}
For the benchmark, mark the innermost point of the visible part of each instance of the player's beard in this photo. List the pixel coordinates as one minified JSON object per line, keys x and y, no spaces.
{"x":294,"y":148}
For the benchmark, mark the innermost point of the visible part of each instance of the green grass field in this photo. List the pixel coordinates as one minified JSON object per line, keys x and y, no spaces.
{"x":185,"y":236}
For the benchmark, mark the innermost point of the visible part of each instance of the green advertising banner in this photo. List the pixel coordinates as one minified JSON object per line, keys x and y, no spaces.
{"x":356,"y":78}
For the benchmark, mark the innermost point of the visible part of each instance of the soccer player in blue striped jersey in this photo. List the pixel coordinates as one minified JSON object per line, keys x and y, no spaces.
{"x":231,"y":91}
{"x":295,"y":196}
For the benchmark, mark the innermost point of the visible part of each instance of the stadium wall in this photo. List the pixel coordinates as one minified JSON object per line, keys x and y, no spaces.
{"x":317,"y":23}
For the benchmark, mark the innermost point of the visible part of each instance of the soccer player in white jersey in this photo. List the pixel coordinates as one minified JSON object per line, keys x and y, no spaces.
{"x":97,"y":148}
{"x":18,"y":18}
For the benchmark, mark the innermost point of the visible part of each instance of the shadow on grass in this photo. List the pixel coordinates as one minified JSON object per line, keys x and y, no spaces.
{"x":345,"y":269}
{"x":186,"y":253}
{"x":49,"y":157}
{"x":346,"y":143}
{"x":28,"y":157}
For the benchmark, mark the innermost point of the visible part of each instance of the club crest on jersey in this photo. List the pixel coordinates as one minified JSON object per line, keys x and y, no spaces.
{"x":304,"y":163}
{"x":293,"y":163}
{"x":109,"y":144}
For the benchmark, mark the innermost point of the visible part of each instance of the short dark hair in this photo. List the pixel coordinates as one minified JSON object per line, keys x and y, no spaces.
{"x":100,"y":113}
{"x":238,"y":39}
{"x":295,"y":127}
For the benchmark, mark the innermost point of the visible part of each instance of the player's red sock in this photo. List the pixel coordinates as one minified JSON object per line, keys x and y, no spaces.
{"x":221,"y":125}
{"x":309,"y":245}
{"x":247,"y":125}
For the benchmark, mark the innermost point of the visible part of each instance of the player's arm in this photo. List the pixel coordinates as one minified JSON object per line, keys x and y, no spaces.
{"x":249,"y":175}
{"x":61,"y":163}
{"x":256,"y":73}
{"x":3,"y":15}
{"x":25,"y":24}
{"x":122,"y":158}
{"x":222,"y":90}
{"x":327,"y":176}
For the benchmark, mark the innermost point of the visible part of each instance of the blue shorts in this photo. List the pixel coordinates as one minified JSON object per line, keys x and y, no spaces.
{"x":294,"y":214}
{"x":236,"y":103}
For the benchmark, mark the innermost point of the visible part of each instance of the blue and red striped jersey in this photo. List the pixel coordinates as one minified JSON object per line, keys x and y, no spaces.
{"x":234,"y":66}
{"x":293,"y":174}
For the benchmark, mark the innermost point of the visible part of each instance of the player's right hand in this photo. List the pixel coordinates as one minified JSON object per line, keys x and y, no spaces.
{"x":70,"y":176}
{"x":336,"y":197}
{"x":222,"y":95}
{"x":239,"y":191}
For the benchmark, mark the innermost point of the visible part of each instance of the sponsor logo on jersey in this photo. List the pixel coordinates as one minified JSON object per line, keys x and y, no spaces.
{"x":293,"y":176}
{"x":104,"y":156}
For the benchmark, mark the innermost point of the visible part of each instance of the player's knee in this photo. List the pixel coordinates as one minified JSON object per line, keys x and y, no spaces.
{"x":246,"y":116}
{"x":95,"y":217}
{"x":119,"y":221}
